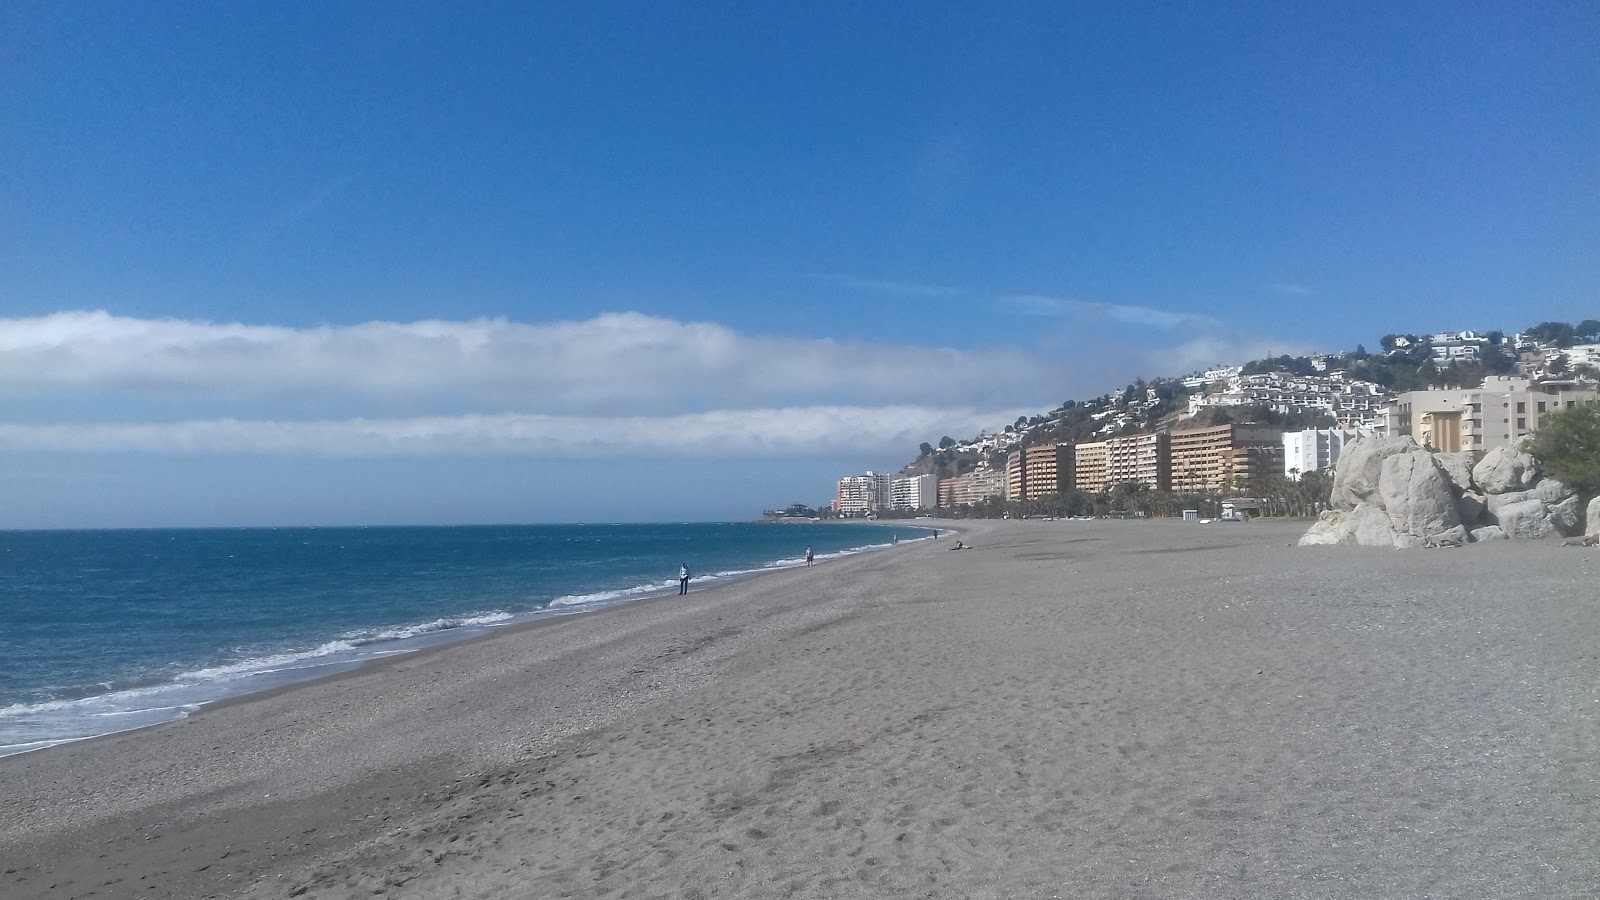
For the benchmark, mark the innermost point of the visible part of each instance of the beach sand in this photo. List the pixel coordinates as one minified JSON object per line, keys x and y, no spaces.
{"x":1068,"y":709}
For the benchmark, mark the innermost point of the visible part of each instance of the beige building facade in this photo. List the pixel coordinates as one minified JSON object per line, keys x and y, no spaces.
{"x":1140,"y":459}
{"x":1220,"y":457}
{"x":1500,"y":413}
{"x":1089,"y":467}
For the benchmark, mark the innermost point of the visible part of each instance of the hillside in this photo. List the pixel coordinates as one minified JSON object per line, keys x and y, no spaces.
{"x":1255,"y":391}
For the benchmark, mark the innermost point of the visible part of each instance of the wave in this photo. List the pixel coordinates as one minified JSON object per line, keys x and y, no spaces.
{"x":31,"y":726}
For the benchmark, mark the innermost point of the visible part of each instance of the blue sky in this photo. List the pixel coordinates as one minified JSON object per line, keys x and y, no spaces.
{"x":430,"y":262}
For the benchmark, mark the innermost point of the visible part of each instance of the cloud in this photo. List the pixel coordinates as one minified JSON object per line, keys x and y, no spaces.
{"x":723,"y":434}
{"x":610,"y":365}
{"x":1290,"y":288}
{"x":1042,"y":305}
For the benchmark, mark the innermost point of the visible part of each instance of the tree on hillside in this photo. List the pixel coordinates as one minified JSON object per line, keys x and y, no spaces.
{"x":1567,"y":446}
{"x":946,"y":442}
{"x":926,"y":449}
{"x":1558,"y":333}
{"x":1588,"y":330}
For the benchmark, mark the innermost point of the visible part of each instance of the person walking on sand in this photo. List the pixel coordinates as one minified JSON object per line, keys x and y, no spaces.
{"x":683,"y":579}
{"x":809,"y":557}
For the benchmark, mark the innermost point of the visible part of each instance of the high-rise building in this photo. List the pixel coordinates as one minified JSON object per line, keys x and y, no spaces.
{"x":860,"y":495}
{"x":913,"y":492}
{"x":971,"y":487}
{"x":1034,"y":472}
{"x":1313,"y":449}
{"x":1089,"y":467}
{"x":1221,"y":457}
{"x":1140,"y":459}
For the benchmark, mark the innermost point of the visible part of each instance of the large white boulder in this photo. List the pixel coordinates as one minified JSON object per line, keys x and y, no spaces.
{"x":1503,"y":470}
{"x":1490,"y":533}
{"x":1360,"y":466}
{"x":1366,"y":526}
{"x":1458,"y":468}
{"x":1591,"y":517}
{"x":1418,"y":500}
{"x":1522,"y":515}
{"x":1564,"y":515}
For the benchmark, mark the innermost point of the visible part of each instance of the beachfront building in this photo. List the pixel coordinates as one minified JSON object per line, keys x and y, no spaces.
{"x":1500,"y":413}
{"x":1140,"y":459}
{"x":972,"y":487}
{"x":1089,"y":467}
{"x":1033,"y":472}
{"x":913,"y":492}
{"x":1314,"y":448}
{"x":861,"y":495}
{"x":1221,"y":457}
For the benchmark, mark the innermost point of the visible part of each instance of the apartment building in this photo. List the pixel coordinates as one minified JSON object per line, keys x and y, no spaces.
{"x":862,"y":494}
{"x":1314,"y":448}
{"x":1034,"y":472}
{"x":1089,"y":467}
{"x":1500,"y":413}
{"x":914,"y":492}
{"x":971,"y":487}
{"x":1140,"y":459}
{"x":1221,"y":457}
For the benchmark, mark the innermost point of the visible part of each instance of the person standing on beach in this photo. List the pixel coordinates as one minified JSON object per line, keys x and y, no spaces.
{"x":683,"y":579}
{"x":809,"y":556}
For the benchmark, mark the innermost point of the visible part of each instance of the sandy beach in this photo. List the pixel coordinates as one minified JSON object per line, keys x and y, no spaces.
{"x":1067,"y":709}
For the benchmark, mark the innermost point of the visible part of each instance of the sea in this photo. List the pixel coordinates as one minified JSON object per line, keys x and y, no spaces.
{"x":106,"y":631}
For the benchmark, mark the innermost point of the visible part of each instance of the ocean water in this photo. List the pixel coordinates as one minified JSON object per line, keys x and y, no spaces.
{"x":103,"y":631}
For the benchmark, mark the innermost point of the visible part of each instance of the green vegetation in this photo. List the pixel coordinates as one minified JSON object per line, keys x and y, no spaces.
{"x":1567,"y":446}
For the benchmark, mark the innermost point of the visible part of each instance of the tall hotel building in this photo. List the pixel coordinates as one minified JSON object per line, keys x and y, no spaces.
{"x":1034,"y":472}
{"x":1140,"y":459}
{"x":1221,"y":457}
{"x":1089,"y":467}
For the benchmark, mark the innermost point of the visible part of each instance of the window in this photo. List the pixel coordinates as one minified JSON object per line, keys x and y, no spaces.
{"x":1522,"y":406}
{"x":1541,"y":406}
{"x":1522,"y":424}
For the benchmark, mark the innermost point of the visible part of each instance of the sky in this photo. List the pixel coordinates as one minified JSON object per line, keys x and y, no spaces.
{"x":439,"y":263}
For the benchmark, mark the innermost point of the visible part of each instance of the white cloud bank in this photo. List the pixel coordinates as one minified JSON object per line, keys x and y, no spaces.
{"x":725,"y":434}
{"x":614,"y":364}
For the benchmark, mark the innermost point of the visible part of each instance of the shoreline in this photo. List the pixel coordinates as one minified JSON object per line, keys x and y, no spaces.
{"x":191,"y":699}
{"x":1084,"y":709}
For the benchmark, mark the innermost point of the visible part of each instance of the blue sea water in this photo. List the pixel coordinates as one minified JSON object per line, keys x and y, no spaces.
{"x":103,"y":631}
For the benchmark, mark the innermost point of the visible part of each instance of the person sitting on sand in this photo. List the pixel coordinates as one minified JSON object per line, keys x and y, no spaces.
{"x":959,"y":546}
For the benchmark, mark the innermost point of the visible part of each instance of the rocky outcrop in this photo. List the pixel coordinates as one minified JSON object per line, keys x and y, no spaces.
{"x":1591,"y":517}
{"x":1458,"y":468}
{"x":1418,"y":500}
{"x":1389,"y":492}
{"x":1522,"y":515}
{"x":1502,"y":471}
{"x":1366,"y":525}
{"x":1361,"y":465}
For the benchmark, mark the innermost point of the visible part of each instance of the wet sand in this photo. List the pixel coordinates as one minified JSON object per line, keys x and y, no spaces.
{"x":1068,"y":709}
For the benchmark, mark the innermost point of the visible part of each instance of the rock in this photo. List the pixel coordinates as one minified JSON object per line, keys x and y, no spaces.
{"x":1503,"y":470}
{"x":1490,"y":533}
{"x":1472,"y":506}
{"x":1419,"y":502}
{"x":1458,"y":468}
{"x":1564,"y":514}
{"x":1552,"y":491}
{"x":1366,"y":526}
{"x":1521,"y":515}
{"x":1360,"y":465}
{"x":1591,"y":517}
